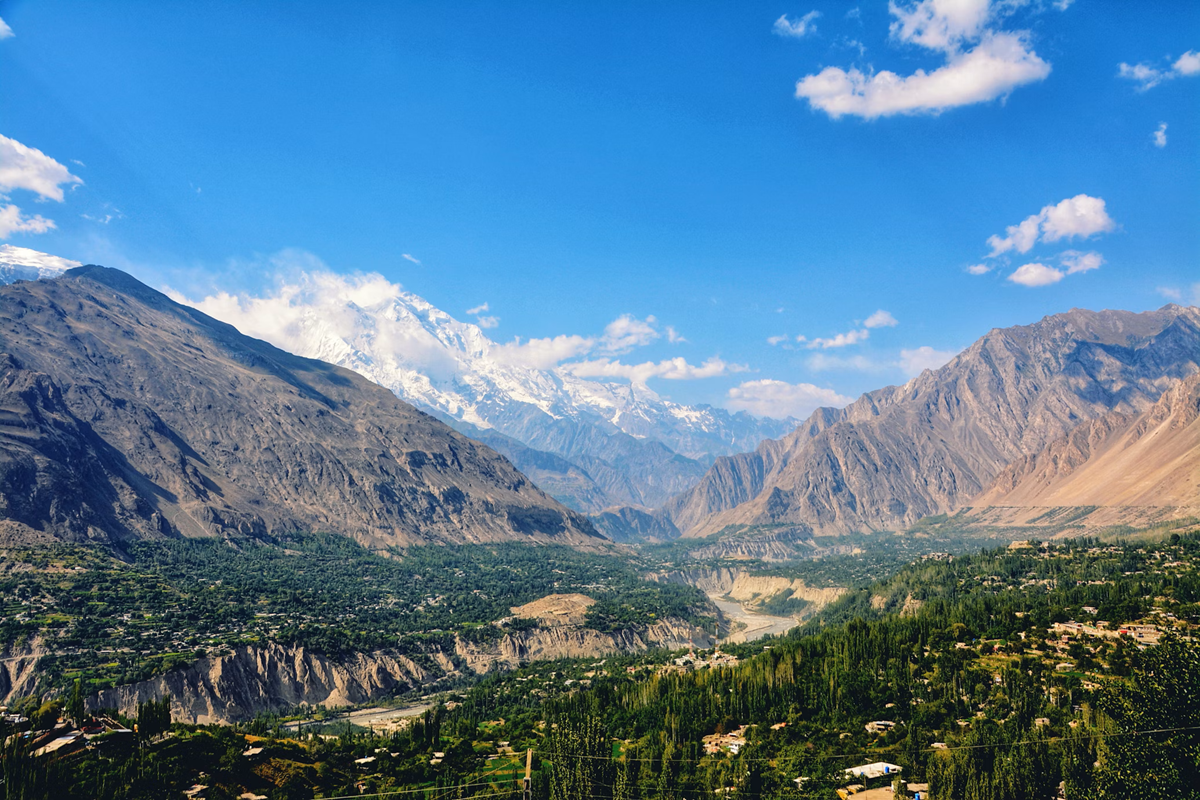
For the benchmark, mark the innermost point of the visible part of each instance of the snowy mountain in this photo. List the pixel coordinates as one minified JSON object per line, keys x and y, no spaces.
{"x":23,"y":264}
{"x":622,"y":443}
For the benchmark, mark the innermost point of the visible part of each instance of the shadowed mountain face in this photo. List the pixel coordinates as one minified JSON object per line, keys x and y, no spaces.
{"x":126,"y":415}
{"x":903,"y":452}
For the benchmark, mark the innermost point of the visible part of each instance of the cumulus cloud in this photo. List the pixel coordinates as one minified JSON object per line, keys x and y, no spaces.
{"x":627,"y":332}
{"x":914,"y":362}
{"x":839,"y":340}
{"x":1080,"y":217}
{"x":1148,"y":76}
{"x":1160,"y":135}
{"x":780,"y":400}
{"x":1035,"y":274}
{"x":880,"y":319}
{"x":979,"y":269}
{"x":982,"y":64}
{"x":774,"y":340}
{"x":5,"y":31}
{"x":1076,"y":261}
{"x":28,"y":168}
{"x":479,"y":309}
{"x":543,"y":353}
{"x":13,"y":221}
{"x":798,"y":28}
{"x":487,"y":322}
{"x":411,"y":258}
{"x":674,"y":336}
{"x":675,"y":369}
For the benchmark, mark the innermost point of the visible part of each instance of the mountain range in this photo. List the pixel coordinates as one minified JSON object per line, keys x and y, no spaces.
{"x":590,"y":443}
{"x":901,"y":453}
{"x":126,"y":415}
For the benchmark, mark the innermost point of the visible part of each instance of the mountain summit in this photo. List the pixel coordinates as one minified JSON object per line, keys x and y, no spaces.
{"x":124,"y":414}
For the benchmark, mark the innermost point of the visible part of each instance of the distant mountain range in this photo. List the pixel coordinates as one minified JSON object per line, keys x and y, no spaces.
{"x":590,"y":443}
{"x":126,"y":415}
{"x":901,"y":453}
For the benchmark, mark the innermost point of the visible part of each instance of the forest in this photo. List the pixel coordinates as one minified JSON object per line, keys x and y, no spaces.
{"x":954,"y":669}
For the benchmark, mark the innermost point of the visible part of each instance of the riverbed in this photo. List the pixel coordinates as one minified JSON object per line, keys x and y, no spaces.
{"x":757,"y":625}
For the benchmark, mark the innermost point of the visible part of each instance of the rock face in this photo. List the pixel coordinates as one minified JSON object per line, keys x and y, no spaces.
{"x":569,"y":641}
{"x":124,"y":414}
{"x":1150,"y":459}
{"x":255,"y":680}
{"x":903,"y":452}
{"x":273,"y":677}
{"x":18,"y":670}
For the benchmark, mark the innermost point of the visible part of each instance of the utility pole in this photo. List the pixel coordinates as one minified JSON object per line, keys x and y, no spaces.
{"x":527,"y":786}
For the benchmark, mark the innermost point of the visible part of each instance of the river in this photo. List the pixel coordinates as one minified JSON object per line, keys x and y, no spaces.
{"x":756,"y":625}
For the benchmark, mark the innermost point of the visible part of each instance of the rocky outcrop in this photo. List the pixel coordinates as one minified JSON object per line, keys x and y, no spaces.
{"x":927,"y":447}
{"x":18,"y":670}
{"x":124,"y":415}
{"x":265,"y":678}
{"x":751,"y":590}
{"x":577,"y":642}
{"x":270,"y":678}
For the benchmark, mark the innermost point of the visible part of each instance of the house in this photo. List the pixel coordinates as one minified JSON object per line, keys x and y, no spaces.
{"x":196,"y":792}
{"x":874,"y":772}
{"x":880,"y":726}
{"x":366,"y":763}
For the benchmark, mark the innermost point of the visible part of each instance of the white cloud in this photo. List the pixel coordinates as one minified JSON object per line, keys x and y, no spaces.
{"x":5,"y":31}
{"x":1020,"y":237}
{"x":1160,"y":135}
{"x":487,"y":322}
{"x":840,"y":340}
{"x":1170,"y":292}
{"x":13,"y":221}
{"x":676,"y":369}
{"x":797,"y":29}
{"x":627,"y":331}
{"x":881,"y":319}
{"x":778,"y":399}
{"x":28,"y":168}
{"x":996,"y":66}
{"x":543,"y":353}
{"x":1188,"y":63}
{"x":979,"y":269}
{"x":939,"y":24}
{"x":1148,"y":76}
{"x":1034,"y":274}
{"x":405,"y":256}
{"x":914,"y":362}
{"x":774,"y":340}
{"x":1080,"y":216}
{"x":1076,"y":261}
{"x":480,"y":309}
{"x":982,"y":64}
{"x":674,"y":336}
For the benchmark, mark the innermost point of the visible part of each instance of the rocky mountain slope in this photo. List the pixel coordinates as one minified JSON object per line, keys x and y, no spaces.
{"x":622,"y":443}
{"x":1120,"y":459}
{"x":929,"y":446}
{"x":124,"y":414}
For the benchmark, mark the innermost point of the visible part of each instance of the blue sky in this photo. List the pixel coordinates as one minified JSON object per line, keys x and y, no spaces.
{"x":741,"y":172}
